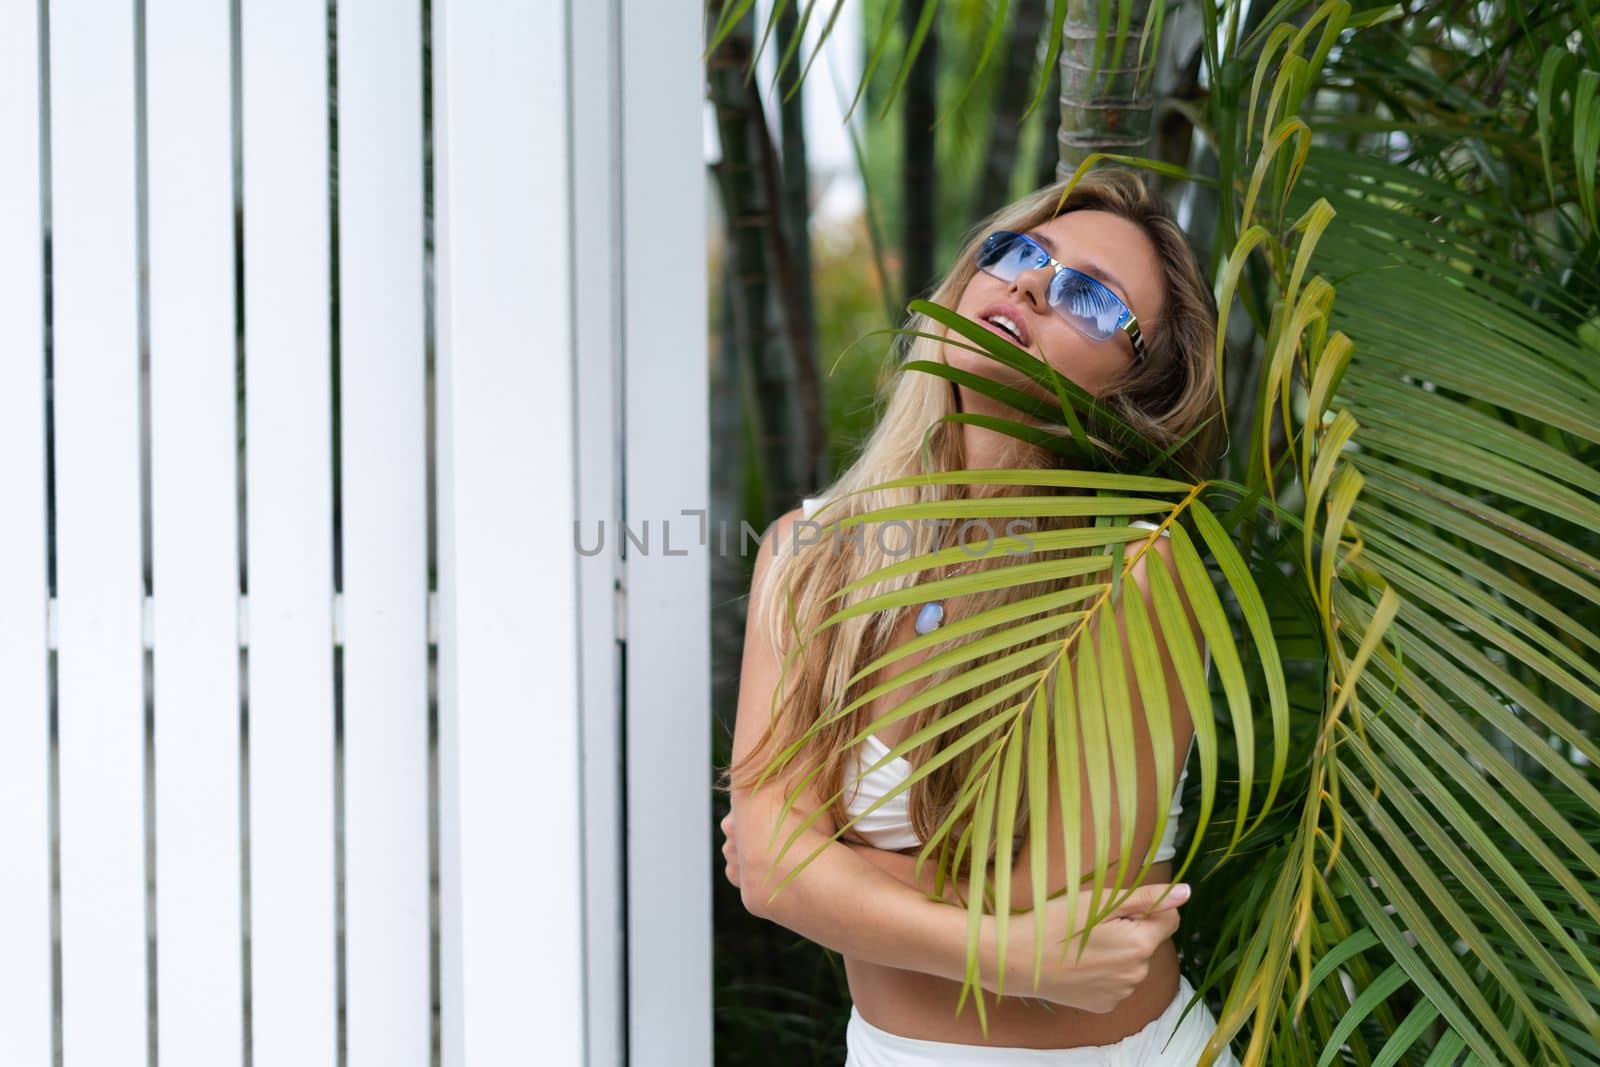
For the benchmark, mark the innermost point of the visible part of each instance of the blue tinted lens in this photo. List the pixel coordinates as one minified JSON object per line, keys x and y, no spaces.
{"x":1006,"y":255}
{"x":1087,"y":303}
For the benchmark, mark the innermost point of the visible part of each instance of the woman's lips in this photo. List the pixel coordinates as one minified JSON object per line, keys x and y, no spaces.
{"x":1013,"y":317}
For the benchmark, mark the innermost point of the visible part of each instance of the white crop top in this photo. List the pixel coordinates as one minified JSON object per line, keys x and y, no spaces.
{"x":889,"y":825}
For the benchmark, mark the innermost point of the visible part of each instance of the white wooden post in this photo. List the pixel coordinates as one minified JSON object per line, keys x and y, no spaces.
{"x":289,"y":516}
{"x":385,"y":526}
{"x":510,"y":821}
{"x":94,"y":208}
{"x":25,"y":911}
{"x":571,"y":277}
{"x":668,"y":676}
{"x":194,"y":532}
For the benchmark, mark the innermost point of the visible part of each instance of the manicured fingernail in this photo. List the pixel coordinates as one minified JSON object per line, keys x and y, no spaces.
{"x":1180,"y":892}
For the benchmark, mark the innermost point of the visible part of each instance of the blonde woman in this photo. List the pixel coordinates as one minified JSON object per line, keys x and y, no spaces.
{"x":1104,"y":287}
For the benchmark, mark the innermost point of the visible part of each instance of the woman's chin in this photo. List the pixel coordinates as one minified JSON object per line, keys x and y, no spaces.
{"x":957,"y":354}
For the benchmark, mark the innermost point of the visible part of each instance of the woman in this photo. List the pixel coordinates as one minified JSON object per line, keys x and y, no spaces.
{"x":1104,"y":287}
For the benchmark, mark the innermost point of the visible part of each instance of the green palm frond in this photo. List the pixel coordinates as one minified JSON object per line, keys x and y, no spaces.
{"x":1456,"y":500}
{"x":1397,"y":832}
{"x":1069,"y":681}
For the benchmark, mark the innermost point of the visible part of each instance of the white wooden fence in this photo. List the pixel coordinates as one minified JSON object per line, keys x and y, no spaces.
{"x":316,"y":741}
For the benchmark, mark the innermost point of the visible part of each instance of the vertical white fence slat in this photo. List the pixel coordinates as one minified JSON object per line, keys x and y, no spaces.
{"x":597,"y":348}
{"x":194,"y":532}
{"x":510,"y":821}
{"x":100,"y":590}
{"x":25,"y":980}
{"x":382,"y":436}
{"x":668,"y":683}
{"x":289,"y":522}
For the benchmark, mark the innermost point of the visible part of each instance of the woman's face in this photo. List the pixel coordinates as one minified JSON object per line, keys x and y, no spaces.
{"x":1106,"y":246}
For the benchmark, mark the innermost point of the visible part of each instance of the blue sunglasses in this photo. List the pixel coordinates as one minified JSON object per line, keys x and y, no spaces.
{"x":1085,"y":302}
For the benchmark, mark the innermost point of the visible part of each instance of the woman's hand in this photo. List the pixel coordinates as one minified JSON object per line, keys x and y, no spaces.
{"x":1114,"y":963}
{"x":1119,"y":950}
{"x":1116,"y":959}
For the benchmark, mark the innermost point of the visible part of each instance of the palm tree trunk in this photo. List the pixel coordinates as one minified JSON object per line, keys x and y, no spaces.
{"x":919,"y":192}
{"x":1103,"y":108}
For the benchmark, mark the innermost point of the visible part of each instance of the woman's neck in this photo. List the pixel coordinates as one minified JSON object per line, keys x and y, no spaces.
{"x":985,"y":449}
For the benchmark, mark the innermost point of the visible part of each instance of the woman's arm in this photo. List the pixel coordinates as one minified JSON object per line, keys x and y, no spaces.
{"x":1115,"y":962}
{"x":846,"y":903}
{"x":839,"y":900}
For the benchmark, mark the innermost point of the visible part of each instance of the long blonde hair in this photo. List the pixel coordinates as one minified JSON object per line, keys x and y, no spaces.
{"x":1169,"y":394}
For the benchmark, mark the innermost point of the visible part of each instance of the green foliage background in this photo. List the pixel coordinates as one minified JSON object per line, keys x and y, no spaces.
{"x":1398,"y":205}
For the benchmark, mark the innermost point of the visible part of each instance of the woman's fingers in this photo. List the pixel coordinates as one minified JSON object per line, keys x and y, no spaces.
{"x":1163,"y":924}
{"x":1147,"y":899}
{"x":1157,"y":919}
{"x":730,"y":849}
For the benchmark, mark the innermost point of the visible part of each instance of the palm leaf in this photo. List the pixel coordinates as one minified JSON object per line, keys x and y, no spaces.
{"x":1400,"y":588}
{"x":1088,"y":672}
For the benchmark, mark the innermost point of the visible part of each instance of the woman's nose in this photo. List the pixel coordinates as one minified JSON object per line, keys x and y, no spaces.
{"x":1034,"y":287}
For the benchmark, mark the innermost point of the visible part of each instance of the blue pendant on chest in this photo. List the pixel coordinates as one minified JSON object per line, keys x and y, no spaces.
{"x":929,"y":618}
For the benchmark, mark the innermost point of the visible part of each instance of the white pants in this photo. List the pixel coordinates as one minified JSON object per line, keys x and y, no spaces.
{"x":868,"y":1046}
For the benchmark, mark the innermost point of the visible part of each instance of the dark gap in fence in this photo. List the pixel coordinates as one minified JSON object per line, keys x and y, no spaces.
{"x":242,"y":511}
{"x":52,"y":690}
{"x":431,"y":474}
{"x":141,"y":167}
{"x":331,"y":17}
{"x":47,"y":257}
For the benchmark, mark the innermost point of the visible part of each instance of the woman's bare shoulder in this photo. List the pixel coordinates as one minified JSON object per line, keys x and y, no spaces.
{"x":778,"y":539}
